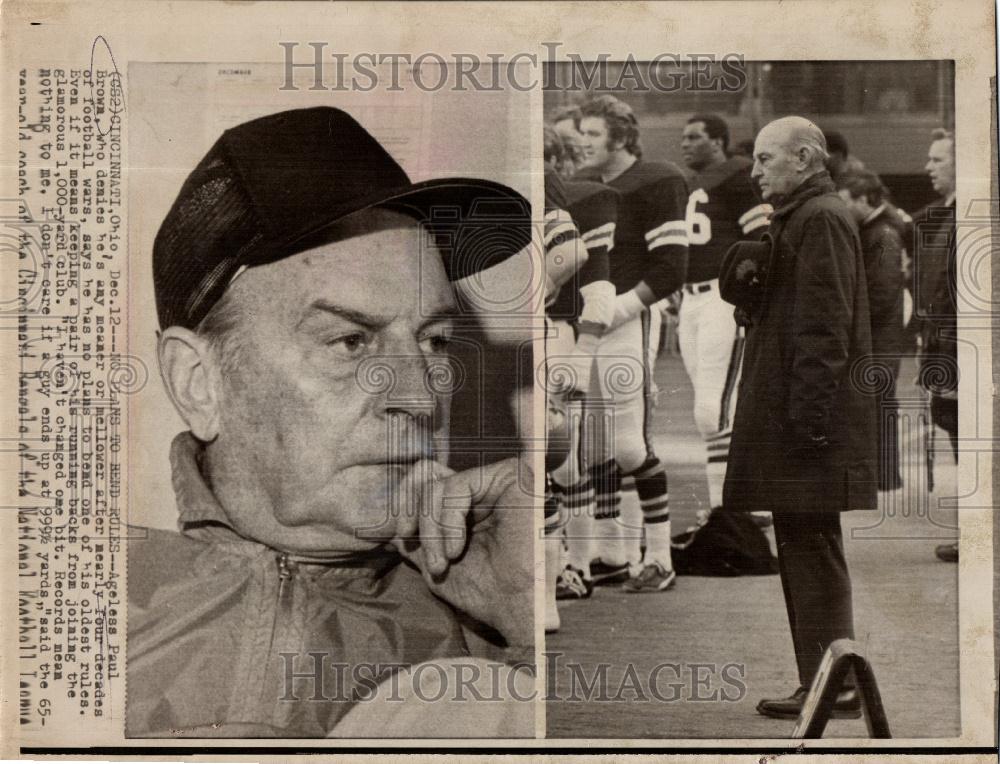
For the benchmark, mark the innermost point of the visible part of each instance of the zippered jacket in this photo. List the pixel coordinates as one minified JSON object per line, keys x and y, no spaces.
{"x":228,"y":637}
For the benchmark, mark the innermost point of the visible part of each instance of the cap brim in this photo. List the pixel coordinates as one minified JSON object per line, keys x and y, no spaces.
{"x":477,"y":223}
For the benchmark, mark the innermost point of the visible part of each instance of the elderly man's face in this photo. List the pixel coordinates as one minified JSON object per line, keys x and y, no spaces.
{"x":328,"y":406}
{"x":941,"y":166}
{"x":776,"y":169}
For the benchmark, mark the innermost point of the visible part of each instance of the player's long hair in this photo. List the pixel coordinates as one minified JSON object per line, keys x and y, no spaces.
{"x":621,"y":122}
{"x":571,"y":113}
{"x":553,"y":146}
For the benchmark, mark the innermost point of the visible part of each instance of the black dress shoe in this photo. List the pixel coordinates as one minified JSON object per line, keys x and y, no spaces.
{"x":947,"y":552}
{"x":847,"y":705}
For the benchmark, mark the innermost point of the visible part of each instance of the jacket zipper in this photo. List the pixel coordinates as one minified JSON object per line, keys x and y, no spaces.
{"x":285,"y":575}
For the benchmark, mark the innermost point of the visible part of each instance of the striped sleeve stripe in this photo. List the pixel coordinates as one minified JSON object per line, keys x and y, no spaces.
{"x":559,"y":223}
{"x":754,"y":223}
{"x":680,"y":239}
{"x":670,"y":228}
{"x":602,"y":236}
{"x":607,"y":243}
{"x":602,"y":231}
{"x":565,"y":230}
{"x":760,"y":209}
{"x":755,"y":217}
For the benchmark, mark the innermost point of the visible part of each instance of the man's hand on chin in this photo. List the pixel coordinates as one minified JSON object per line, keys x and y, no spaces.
{"x":470,"y":534}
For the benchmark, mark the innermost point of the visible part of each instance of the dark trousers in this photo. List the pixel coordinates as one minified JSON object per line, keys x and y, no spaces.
{"x":889,"y":478}
{"x":944,"y":413}
{"x":816,"y":584}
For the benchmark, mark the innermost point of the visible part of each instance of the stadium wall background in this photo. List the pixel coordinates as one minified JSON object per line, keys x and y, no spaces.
{"x":885,"y":109}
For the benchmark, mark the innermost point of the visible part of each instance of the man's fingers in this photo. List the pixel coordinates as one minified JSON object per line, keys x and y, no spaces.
{"x":431,"y":543}
{"x":454,"y":510}
{"x":442,"y":520}
{"x":489,"y":484}
{"x":408,"y":500}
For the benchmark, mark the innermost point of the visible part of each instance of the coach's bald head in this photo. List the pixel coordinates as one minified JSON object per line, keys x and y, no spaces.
{"x":787,"y":152}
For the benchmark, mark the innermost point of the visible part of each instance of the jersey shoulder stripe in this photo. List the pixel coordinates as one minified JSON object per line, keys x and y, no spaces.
{"x":755,"y":217}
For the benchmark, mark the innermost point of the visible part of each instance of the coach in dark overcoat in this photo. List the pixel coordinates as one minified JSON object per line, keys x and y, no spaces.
{"x":804,"y":440}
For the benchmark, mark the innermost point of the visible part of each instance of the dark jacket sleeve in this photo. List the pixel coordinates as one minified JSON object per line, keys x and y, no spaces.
{"x":822,"y":316}
{"x":884,"y":271}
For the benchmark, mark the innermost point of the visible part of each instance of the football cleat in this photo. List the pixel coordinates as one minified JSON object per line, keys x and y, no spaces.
{"x":603,"y":574}
{"x":652,"y":578}
{"x":571,"y":585}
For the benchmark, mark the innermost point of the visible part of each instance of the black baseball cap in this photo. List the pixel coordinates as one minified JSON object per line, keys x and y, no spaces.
{"x":275,"y":186}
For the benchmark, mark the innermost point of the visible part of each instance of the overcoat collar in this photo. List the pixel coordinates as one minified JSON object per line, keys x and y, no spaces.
{"x":814,"y":185}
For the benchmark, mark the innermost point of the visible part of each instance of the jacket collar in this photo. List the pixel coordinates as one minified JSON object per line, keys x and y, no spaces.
{"x":201,"y":516}
{"x":196,"y":504}
{"x":814,"y":185}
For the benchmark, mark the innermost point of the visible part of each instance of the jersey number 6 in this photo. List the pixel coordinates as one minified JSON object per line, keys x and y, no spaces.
{"x":699,"y":226}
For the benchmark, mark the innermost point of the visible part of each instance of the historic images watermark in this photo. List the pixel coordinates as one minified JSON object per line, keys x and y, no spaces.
{"x":313,"y":66}
{"x":316,"y":676}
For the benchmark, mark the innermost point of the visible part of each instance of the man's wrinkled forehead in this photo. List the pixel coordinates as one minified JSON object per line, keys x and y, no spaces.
{"x":776,"y":137}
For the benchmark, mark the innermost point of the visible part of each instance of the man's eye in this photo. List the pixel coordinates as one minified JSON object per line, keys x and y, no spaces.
{"x":350,"y":345}
{"x":435,"y":343}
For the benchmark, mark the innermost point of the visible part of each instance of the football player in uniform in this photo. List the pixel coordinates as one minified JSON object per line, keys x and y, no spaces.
{"x":649,"y":263}
{"x":560,"y":238}
{"x":576,"y":318}
{"x":586,"y":309}
{"x":722,"y":209}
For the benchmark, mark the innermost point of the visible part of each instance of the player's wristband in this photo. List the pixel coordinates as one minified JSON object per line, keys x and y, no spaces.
{"x":598,"y":303}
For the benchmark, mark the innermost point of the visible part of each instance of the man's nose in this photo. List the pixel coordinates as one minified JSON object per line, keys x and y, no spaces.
{"x":756,"y":172}
{"x":403,"y":383}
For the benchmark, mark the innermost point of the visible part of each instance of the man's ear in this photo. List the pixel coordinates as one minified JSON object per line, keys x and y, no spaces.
{"x":187,"y":366}
{"x":805,"y":157}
